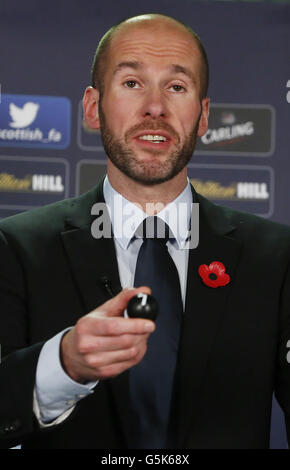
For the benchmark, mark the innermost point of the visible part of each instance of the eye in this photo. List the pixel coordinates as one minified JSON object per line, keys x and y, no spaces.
{"x":178,"y":88}
{"x":131,"y":84}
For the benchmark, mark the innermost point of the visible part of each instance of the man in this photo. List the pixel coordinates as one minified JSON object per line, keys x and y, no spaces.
{"x":69,"y":380}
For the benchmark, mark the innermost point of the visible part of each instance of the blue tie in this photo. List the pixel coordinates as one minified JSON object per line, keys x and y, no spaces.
{"x":151,"y":380}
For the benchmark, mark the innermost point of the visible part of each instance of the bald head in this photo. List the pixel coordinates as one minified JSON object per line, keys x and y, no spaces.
{"x":153,"y":22}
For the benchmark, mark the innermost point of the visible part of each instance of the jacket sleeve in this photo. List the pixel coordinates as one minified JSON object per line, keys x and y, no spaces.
{"x":282,"y":376}
{"x":17,"y":378}
{"x":18,"y":360}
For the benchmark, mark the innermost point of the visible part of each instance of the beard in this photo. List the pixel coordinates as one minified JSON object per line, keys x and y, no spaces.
{"x":155,"y":171}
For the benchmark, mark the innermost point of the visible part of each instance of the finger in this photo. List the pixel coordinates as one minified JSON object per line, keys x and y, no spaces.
{"x":117,"y":368}
{"x":94,"y":344}
{"x":117,"y":305}
{"x":116,"y":326}
{"x":104,"y":359}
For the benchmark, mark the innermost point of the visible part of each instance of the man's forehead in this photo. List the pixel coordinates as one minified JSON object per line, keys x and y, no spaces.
{"x":154,"y":33}
{"x":165,"y":43}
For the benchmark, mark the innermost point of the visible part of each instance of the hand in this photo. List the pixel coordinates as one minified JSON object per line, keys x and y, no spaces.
{"x":103,"y":343}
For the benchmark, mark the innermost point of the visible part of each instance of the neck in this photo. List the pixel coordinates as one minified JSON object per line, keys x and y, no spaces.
{"x":152,"y":199}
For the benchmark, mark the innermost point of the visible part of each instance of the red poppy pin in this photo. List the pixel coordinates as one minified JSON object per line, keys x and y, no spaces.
{"x":214,"y":275}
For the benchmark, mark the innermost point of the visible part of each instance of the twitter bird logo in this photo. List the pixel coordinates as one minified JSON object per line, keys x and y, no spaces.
{"x":23,"y":117}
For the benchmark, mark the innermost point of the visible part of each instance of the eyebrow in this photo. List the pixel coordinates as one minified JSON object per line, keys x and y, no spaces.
{"x":174,"y":68}
{"x":133,"y":65}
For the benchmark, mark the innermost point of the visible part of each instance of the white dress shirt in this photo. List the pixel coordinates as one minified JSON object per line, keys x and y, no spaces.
{"x":55,"y":393}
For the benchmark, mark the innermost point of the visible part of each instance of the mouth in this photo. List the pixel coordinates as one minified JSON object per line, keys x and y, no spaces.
{"x":155,"y":139}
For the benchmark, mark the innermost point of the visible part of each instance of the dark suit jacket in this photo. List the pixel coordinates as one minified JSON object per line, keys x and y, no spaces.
{"x":233,"y":342}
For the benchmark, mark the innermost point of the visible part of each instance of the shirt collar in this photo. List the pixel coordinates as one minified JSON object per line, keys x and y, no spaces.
{"x":126,"y":216}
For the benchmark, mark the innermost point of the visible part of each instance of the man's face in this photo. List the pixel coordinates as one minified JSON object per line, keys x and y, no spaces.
{"x":150,"y":112}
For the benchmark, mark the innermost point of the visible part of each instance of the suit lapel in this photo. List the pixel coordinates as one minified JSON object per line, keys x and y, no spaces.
{"x":90,"y":260}
{"x":204,"y":310}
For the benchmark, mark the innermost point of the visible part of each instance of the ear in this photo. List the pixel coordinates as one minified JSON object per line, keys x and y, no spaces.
{"x":91,"y":107}
{"x":203,"y":121}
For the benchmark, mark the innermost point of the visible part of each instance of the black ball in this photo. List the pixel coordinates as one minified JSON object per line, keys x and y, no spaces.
{"x":143,"y":306}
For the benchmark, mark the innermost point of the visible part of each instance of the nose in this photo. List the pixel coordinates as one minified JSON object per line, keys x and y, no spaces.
{"x":154,"y":104}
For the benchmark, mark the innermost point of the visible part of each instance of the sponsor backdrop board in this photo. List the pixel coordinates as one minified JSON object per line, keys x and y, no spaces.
{"x":46,"y":153}
{"x":26,"y":183}
{"x":239,"y":129}
{"x":35,"y":121}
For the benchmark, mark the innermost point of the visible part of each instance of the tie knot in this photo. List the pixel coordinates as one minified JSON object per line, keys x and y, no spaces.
{"x":154,"y":227}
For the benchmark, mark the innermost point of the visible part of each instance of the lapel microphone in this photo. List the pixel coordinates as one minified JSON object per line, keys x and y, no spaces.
{"x":106,"y":283}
